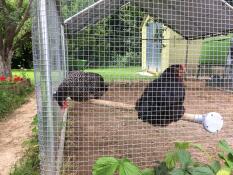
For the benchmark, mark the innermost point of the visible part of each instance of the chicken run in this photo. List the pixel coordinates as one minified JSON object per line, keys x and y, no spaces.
{"x":128,"y":78}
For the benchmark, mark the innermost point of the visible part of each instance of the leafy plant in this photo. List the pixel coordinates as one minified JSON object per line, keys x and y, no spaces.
{"x":178,"y":161}
{"x":111,"y":165}
{"x":226,"y":155}
{"x":10,"y":99}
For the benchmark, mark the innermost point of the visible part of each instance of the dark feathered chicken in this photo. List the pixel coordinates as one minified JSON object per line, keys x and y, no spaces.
{"x":80,"y":86}
{"x":162,"y":100}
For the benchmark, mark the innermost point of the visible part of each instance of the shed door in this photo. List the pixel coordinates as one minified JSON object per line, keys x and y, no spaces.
{"x":154,"y":46}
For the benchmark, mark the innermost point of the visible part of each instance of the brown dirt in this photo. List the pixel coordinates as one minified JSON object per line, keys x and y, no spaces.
{"x":13,"y":132}
{"x":95,"y":131}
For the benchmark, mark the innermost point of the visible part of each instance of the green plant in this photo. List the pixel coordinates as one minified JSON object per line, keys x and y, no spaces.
{"x":77,"y":64}
{"x":178,"y":161}
{"x":10,"y":100}
{"x":111,"y":165}
{"x":226,"y":155}
{"x":126,"y":60}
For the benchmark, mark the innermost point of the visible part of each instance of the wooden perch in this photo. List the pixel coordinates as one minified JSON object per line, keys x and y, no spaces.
{"x":112,"y":104}
{"x":119,"y":105}
{"x":212,"y":122}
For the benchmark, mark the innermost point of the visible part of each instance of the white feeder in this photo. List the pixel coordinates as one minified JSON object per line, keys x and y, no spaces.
{"x":212,"y":122}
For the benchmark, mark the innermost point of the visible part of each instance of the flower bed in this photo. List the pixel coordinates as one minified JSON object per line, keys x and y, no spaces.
{"x":13,"y":93}
{"x":15,"y":84}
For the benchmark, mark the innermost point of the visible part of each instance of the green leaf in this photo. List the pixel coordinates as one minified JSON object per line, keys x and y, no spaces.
{"x":225,"y":146}
{"x":201,"y":171}
{"x":105,"y":166}
{"x":215,"y":166}
{"x":184,"y":158}
{"x":177,"y":172}
{"x":228,"y":161}
{"x":198,"y":147}
{"x":182,"y":145}
{"x":221,"y":155}
{"x":161,"y":169}
{"x":171,"y":159}
{"x":149,"y":171}
{"x":128,"y":168}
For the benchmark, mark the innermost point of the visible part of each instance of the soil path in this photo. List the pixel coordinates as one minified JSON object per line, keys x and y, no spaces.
{"x":13,"y":132}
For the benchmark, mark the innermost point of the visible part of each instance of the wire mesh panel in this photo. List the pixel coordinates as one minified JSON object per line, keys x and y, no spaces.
{"x":128,"y":78}
{"x":50,"y":68}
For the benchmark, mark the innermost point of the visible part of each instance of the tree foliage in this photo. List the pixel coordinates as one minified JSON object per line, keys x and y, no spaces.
{"x":22,"y":57}
{"x":113,"y":41}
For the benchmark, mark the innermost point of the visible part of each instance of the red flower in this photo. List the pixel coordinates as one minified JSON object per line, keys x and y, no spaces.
{"x":17,"y":78}
{"x":2,"y":78}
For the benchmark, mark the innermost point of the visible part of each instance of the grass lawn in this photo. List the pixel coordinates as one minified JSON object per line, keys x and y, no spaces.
{"x":109,"y":74}
{"x":120,"y":74}
{"x":25,"y":73}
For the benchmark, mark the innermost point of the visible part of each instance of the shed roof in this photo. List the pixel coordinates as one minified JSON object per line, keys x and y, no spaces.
{"x":192,"y":19}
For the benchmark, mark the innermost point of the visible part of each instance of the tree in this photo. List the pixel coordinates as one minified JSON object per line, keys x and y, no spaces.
{"x":22,"y":57}
{"x":229,"y":2}
{"x":112,"y":41}
{"x":14,"y":26}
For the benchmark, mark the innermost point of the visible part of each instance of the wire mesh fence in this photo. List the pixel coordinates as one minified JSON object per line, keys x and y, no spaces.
{"x":119,"y":78}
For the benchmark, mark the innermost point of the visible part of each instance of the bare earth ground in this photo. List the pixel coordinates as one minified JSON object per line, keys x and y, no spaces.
{"x":13,"y":132}
{"x":95,"y":131}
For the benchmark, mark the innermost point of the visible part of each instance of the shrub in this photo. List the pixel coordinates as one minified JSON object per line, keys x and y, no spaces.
{"x":129,"y":59}
{"x":12,"y":95}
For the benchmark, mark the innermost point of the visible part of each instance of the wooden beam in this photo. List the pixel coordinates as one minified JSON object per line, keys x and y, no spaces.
{"x":112,"y":104}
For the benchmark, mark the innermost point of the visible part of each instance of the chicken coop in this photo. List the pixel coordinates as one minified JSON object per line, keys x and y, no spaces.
{"x":129,"y":78}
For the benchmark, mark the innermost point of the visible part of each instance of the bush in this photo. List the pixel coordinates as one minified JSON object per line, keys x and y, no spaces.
{"x":23,"y":55}
{"x":77,"y":64}
{"x":11,"y":99}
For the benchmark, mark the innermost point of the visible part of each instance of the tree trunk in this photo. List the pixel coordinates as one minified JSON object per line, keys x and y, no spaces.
{"x":5,"y":65}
